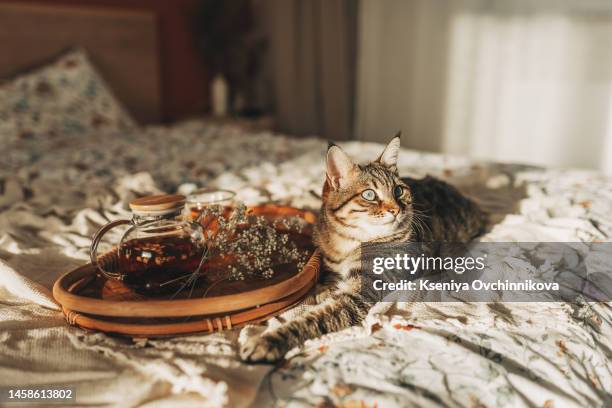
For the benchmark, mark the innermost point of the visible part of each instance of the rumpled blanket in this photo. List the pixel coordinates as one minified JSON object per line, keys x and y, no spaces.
{"x":55,"y":193}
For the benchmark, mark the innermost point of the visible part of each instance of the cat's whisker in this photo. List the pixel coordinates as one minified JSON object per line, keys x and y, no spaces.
{"x":420,"y":212}
{"x":420,"y":225}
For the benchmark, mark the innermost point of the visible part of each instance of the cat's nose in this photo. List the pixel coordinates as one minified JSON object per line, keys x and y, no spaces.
{"x":393,"y":210}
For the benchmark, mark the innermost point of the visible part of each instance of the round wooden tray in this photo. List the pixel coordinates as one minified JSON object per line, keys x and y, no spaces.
{"x":94,"y":302}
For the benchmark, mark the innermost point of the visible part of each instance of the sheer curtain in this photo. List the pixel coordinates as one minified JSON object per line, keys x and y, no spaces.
{"x":507,"y":80}
{"x":311,"y":64}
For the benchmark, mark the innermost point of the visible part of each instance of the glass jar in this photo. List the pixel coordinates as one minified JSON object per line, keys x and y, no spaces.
{"x":206,"y":205}
{"x":206,"y":198}
{"x":162,"y":250}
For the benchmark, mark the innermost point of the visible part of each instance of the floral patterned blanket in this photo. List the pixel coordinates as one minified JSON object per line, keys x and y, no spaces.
{"x":56,"y":191}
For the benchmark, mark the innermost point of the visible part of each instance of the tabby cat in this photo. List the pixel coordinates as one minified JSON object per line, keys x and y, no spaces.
{"x":366,"y":203}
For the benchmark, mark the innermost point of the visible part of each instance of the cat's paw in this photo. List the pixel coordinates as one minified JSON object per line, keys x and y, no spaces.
{"x":263,"y":349}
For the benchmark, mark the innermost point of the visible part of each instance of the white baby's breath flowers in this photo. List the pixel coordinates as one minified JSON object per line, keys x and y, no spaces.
{"x":254,"y":244}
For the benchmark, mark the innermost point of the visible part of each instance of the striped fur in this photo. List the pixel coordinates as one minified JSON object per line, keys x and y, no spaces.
{"x":426,"y":210}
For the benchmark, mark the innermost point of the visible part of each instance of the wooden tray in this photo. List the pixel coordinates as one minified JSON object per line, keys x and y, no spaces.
{"x":94,"y":302}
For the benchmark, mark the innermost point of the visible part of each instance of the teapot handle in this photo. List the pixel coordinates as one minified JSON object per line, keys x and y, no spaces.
{"x":109,"y":259}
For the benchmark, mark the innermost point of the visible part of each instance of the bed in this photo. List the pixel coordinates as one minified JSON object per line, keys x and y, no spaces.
{"x":62,"y":176}
{"x":56,"y":193}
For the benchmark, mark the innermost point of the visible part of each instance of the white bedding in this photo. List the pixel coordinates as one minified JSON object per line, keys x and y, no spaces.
{"x":56,"y":193}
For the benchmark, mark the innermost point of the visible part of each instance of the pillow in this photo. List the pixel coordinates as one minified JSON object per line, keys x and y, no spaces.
{"x":65,"y":97}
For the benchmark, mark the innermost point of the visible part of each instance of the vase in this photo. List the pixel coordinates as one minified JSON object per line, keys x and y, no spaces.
{"x":219,"y":95}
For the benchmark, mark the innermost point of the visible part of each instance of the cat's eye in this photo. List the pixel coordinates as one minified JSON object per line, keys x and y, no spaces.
{"x":398,"y":191}
{"x":369,"y":195}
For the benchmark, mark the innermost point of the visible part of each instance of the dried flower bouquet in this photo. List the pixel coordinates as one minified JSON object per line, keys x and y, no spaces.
{"x":249,"y":245}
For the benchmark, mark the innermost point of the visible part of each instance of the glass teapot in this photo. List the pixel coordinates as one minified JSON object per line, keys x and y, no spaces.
{"x":162,"y":250}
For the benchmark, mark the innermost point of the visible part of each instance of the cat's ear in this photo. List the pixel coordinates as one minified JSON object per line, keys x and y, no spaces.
{"x":389,"y":156}
{"x":340,"y":167}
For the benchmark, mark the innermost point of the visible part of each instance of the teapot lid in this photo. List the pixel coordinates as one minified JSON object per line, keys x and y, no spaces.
{"x":157,"y":204}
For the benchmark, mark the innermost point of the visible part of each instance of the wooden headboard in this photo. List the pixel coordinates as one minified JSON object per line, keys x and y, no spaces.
{"x":144,"y":49}
{"x":122,"y":45}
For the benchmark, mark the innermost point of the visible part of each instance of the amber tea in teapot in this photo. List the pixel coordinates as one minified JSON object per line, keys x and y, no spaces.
{"x":158,"y":263}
